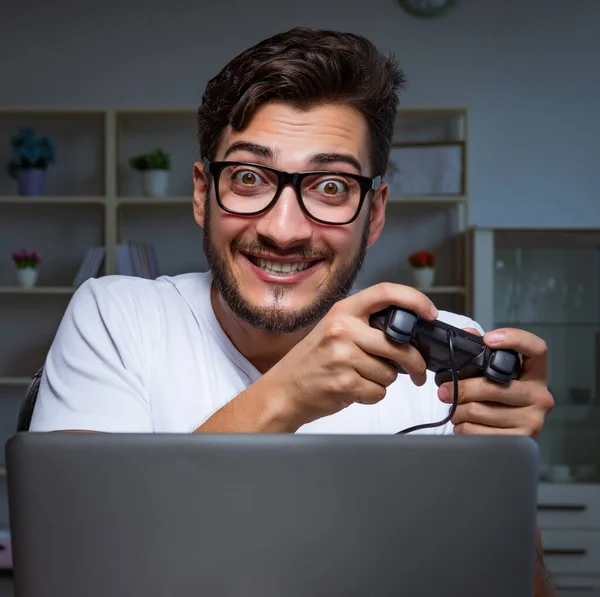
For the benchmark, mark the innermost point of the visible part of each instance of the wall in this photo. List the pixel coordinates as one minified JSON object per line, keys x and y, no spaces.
{"x":526,"y":69}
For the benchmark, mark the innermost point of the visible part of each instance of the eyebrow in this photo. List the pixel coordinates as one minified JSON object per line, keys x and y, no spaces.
{"x":319,"y":159}
{"x":260,"y":150}
{"x":329,"y":158}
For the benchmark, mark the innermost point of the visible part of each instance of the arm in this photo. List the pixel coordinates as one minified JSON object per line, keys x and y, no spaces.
{"x":261,"y":408}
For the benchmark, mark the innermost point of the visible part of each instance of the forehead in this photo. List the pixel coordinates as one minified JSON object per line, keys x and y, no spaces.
{"x":295,"y":134}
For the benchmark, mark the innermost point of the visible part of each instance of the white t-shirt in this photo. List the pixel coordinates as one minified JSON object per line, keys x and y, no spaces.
{"x":139,"y":355}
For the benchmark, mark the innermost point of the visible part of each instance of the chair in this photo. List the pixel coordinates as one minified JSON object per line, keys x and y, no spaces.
{"x":26,"y":410}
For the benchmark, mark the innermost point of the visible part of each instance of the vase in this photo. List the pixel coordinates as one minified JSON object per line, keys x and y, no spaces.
{"x":27,"y":276}
{"x":155,"y":183}
{"x":423,"y":276}
{"x":31,"y":181}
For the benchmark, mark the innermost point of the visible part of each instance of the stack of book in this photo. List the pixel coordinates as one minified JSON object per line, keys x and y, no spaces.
{"x":133,"y":259}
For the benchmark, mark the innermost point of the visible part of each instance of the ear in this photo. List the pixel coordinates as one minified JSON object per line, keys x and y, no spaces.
{"x":200,"y":188}
{"x":377,"y":217}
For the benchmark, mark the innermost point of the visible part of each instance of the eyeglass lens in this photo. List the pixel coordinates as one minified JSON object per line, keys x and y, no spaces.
{"x":328,"y":197}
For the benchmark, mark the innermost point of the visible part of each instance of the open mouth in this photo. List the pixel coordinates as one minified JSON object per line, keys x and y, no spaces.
{"x":278,"y":267}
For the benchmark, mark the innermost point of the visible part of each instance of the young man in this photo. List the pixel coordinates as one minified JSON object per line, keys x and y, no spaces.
{"x":271,"y":339}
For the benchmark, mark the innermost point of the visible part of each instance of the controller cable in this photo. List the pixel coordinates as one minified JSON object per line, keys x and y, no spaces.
{"x":450,"y":333}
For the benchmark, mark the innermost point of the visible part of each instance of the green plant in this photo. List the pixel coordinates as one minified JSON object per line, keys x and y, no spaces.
{"x":154,"y":160}
{"x":30,"y":151}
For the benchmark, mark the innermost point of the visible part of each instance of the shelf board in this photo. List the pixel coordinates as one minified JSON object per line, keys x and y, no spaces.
{"x":53,"y":111}
{"x":436,"y":143}
{"x":52,"y":199}
{"x":156,"y":110}
{"x":154,"y":201}
{"x":443,"y":290}
{"x":428,"y":199}
{"x":38,"y":290}
{"x":549,"y":324}
{"x":15,"y":381}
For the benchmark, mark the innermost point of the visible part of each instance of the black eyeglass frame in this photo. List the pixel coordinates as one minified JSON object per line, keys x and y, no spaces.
{"x":294,"y":179}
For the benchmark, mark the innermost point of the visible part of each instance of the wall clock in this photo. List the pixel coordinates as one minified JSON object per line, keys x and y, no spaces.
{"x":427,"y":8}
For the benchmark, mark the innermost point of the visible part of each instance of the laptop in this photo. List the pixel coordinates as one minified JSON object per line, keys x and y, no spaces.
{"x":235,"y":515}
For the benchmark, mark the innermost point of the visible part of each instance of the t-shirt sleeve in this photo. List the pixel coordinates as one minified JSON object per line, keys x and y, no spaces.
{"x":94,"y":374}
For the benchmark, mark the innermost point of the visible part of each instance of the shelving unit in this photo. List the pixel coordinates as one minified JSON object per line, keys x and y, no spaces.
{"x":93,"y":197}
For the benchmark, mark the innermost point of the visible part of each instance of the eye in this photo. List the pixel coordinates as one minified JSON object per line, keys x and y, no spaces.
{"x":247,"y":177}
{"x":331,"y":187}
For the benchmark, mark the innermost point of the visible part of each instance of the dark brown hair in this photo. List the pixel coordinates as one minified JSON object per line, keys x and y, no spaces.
{"x":305,"y":67}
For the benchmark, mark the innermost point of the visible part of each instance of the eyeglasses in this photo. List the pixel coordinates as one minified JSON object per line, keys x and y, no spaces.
{"x":327,"y":197}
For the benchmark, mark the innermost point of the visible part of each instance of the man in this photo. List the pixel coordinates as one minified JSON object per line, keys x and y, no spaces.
{"x":272,"y":340}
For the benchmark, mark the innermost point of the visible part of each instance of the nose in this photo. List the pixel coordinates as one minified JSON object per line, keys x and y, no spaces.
{"x":285,"y":224}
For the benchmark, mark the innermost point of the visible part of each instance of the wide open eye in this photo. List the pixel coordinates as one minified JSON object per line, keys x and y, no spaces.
{"x":247,"y":177}
{"x":331,"y":187}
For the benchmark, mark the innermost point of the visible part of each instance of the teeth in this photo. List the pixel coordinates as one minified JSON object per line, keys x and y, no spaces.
{"x":282,"y":268}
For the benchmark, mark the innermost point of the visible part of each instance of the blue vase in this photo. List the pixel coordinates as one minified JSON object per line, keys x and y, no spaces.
{"x":31,"y":181}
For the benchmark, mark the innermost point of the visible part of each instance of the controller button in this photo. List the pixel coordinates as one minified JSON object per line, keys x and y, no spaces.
{"x":402,"y":323}
{"x":503,"y":362}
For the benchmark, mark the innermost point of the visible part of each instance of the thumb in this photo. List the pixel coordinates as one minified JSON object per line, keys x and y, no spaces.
{"x":472,"y":331}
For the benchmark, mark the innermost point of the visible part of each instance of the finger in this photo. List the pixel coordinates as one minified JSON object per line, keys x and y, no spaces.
{"x":368,"y":392}
{"x":481,"y":389}
{"x":406,"y":356}
{"x":533,"y":348}
{"x":474,"y":331}
{"x":375,"y":369}
{"x":476,"y":429}
{"x":489,"y":414}
{"x":386,"y":294}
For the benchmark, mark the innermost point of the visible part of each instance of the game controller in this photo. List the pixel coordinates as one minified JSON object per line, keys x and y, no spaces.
{"x":467,"y":352}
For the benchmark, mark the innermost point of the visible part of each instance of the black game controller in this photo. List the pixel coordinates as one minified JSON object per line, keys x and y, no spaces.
{"x":466,"y":351}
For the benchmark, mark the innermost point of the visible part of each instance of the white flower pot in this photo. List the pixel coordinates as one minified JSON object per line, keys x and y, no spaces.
{"x":155,"y":183}
{"x":423,"y":277}
{"x":27,"y":277}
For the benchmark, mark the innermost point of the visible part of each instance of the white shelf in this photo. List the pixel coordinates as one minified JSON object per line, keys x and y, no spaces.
{"x":443,"y":290}
{"x":154,"y":201}
{"x":37,"y":290}
{"x":428,"y":199}
{"x":106,"y":208}
{"x":51,"y":200}
{"x":14,"y":381}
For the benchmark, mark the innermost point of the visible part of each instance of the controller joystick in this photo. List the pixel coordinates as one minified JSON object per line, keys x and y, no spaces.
{"x":468,"y":353}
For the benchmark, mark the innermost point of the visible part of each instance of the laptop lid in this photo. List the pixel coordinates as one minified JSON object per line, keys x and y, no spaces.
{"x":271,"y":515}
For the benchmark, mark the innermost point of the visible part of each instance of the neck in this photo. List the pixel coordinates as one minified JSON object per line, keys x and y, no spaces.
{"x":261,"y":348}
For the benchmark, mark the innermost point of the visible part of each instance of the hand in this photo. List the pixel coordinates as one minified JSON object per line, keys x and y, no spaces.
{"x":518,"y":408}
{"x":343,"y":360}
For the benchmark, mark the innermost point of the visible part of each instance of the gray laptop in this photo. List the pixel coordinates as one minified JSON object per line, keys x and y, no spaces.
{"x":114,"y":515}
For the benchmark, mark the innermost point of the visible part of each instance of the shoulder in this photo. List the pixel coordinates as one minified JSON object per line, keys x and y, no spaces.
{"x":135,"y":295}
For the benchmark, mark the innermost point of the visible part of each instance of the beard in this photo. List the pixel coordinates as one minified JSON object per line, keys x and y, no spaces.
{"x":274,"y":318}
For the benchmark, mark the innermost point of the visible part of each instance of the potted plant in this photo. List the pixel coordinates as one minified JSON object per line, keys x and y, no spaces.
{"x":27,"y":267}
{"x":155,"y":170}
{"x":423,"y":268}
{"x":31,"y":157}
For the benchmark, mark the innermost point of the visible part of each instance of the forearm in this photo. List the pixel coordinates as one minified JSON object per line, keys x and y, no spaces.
{"x":261,"y":408}
{"x":543,"y":586}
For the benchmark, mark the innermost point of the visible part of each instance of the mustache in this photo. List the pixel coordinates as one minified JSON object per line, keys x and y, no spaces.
{"x":305,"y":251}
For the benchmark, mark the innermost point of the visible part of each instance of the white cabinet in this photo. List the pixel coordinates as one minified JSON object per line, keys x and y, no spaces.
{"x":569,"y":520}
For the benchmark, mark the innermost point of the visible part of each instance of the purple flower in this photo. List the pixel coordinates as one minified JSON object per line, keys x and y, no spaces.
{"x":25,"y":258}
